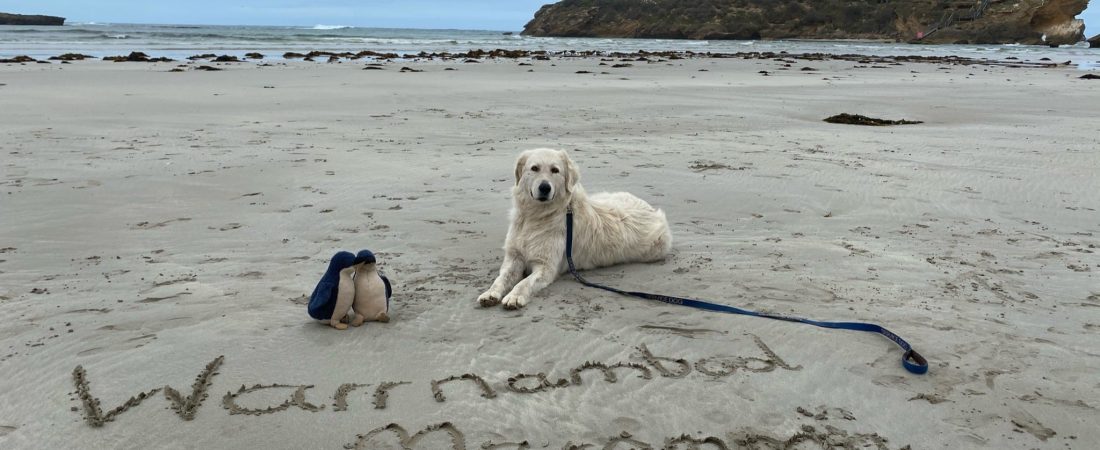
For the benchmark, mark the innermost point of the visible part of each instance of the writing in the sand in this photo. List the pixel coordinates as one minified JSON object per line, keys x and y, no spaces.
{"x":186,"y":407}
{"x":808,"y":437}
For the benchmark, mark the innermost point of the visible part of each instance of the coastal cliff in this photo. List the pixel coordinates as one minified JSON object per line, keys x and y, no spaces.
{"x":20,"y":19}
{"x":933,"y":21}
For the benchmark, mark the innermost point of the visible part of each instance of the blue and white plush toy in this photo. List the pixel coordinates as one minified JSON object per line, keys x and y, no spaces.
{"x":352,"y":282}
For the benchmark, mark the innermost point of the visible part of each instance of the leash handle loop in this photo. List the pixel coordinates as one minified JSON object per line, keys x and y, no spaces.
{"x":911,"y":360}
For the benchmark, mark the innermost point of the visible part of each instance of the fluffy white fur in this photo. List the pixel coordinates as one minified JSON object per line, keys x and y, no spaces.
{"x":608,"y":228}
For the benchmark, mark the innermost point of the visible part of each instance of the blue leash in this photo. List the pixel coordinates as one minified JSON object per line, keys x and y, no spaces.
{"x":912,"y":360}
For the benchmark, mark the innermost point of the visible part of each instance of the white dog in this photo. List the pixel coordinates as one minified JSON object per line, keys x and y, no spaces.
{"x":608,"y":228}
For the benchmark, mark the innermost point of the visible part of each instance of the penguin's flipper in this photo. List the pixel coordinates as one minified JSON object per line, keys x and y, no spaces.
{"x":389,"y":290}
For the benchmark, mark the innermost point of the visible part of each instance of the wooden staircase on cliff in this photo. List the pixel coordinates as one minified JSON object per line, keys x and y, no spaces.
{"x":957,"y":11}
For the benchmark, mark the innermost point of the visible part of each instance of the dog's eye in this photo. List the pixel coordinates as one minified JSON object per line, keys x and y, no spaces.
{"x":553,"y":170}
{"x":534,"y":168}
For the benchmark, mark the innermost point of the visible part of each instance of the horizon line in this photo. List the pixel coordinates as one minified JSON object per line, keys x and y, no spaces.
{"x":335,"y":26}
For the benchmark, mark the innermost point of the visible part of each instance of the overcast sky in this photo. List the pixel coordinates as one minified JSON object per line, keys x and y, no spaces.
{"x":478,"y":14}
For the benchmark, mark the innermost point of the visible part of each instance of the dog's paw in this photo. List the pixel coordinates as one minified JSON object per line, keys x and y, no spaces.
{"x":339,"y":325}
{"x":488,"y":299}
{"x":514,"y":301}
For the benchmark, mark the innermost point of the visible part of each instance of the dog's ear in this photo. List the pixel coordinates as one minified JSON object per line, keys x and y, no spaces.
{"x":572,"y":176}
{"x":521,"y":163}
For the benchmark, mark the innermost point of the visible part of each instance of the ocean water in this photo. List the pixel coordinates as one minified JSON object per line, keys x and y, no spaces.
{"x":180,"y":41}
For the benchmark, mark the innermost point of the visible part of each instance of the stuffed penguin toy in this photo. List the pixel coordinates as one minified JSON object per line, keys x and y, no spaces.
{"x":351,"y":282}
{"x":372,"y":291}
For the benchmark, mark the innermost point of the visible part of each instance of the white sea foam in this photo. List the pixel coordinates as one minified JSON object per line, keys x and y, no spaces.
{"x":184,"y":40}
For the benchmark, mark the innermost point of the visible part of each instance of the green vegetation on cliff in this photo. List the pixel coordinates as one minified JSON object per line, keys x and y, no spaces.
{"x":978,"y":21}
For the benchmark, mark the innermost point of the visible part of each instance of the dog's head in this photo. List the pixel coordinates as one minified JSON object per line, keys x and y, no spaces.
{"x":545,"y":176}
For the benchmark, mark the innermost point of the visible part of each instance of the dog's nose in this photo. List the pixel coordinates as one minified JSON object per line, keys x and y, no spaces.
{"x":544,"y":188}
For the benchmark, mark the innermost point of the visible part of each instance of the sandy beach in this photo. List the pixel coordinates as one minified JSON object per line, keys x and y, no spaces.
{"x":162,"y":231}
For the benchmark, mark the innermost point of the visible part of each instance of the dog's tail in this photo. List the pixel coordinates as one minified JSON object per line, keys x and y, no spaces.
{"x":662,"y":235}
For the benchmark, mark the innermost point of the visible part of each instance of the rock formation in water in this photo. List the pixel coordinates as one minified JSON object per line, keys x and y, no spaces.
{"x":933,"y":21}
{"x":19,"y":19}
{"x":1094,"y":42}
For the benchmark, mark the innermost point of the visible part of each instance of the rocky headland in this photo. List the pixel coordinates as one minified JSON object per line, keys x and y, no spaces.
{"x":20,"y":19}
{"x":1050,"y":22}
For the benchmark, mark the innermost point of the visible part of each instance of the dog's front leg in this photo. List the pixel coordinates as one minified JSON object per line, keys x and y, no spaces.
{"x":541,"y":276}
{"x":511,"y":271}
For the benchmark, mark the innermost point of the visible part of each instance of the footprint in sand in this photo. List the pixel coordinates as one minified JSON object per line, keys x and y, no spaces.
{"x":1024,"y":421}
{"x":150,"y":226}
{"x":128,"y":344}
{"x":89,"y":184}
{"x":184,"y":279}
{"x":854,"y":250}
{"x":825,"y":413}
{"x":933,"y":398}
{"x":157,"y":299}
{"x":1078,"y":267}
{"x":683,"y":332}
